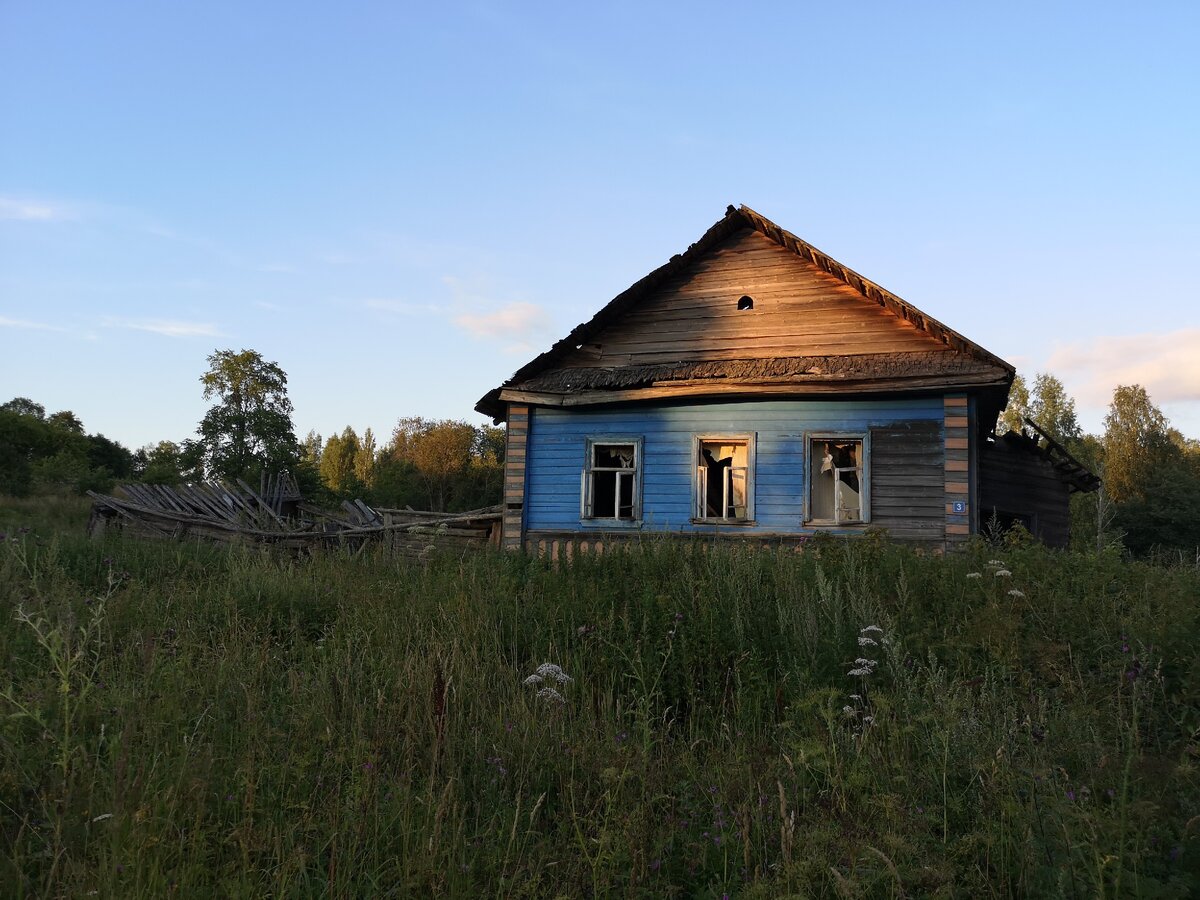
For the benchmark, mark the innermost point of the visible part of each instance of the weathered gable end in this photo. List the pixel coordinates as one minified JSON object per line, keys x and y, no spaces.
{"x":752,"y":309}
{"x":750,"y":298}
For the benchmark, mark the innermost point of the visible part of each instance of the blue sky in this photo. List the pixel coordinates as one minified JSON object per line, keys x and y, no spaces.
{"x":403,"y":203}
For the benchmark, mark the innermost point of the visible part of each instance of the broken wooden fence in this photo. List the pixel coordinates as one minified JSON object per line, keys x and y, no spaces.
{"x":274,"y":516}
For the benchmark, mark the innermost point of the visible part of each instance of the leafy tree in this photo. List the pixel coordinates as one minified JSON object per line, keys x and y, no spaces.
{"x":1018,"y":406}
{"x":311,"y":447}
{"x":1054,"y":409}
{"x":364,"y":460}
{"x":23,"y":406}
{"x":160,"y":463}
{"x":249,"y":430}
{"x":1136,"y":440}
{"x":337,"y":462}
{"x":66,"y":419}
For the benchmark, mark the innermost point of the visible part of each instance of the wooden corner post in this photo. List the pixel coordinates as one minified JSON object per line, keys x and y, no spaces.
{"x":957,"y":467}
{"x":516,"y":437}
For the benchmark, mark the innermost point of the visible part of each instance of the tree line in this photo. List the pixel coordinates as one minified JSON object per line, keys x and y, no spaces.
{"x":1151,"y":473}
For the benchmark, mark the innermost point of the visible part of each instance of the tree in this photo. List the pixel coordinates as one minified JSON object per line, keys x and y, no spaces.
{"x":1054,"y":409}
{"x":23,"y":406}
{"x":160,"y":463}
{"x":67,"y":420}
{"x":1136,"y":439}
{"x":249,"y":430}
{"x":1018,"y":406}
{"x":337,"y":462}
{"x":364,"y":460}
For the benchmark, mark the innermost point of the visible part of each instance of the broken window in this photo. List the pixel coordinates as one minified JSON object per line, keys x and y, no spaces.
{"x":724,"y":479}
{"x":837,"y":479}
{"x":610,"y":480}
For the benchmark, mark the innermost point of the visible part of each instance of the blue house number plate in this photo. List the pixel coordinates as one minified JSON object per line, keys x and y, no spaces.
{"x":960,"y":506}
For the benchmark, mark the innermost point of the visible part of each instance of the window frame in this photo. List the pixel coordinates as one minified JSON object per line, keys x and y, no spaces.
{"x":864,"y":437}
{"x":750,"y":439}
{"x":587,"y":485}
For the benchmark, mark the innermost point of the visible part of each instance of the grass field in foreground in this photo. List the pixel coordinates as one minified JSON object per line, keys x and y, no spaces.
{"x":852,"y":720}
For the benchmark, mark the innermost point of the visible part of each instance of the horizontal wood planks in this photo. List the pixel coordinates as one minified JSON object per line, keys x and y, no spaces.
{"x":956,"y":473}
{"x":907,"y":482}
{"x":799,"y":310}
{"x":909,"y":461}
{"x":1014,"y":482}
{"x":515,"y":447}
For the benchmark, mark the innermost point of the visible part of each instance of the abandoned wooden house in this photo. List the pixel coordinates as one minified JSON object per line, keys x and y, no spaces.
{"x":754,"y":386}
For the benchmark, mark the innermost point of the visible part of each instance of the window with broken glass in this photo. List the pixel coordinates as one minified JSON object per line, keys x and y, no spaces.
{"x":724,"y":490}
{"x":610,"y":481}
{"x":838,"y":479}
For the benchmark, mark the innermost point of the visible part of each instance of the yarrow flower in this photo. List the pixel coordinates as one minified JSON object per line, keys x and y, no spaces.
{"x":1015,"y":593}
{"x":1002,"y":573}
{"x":974,"y":574}
{"x":869,"y":628}
{"x":997,"y":563}
{"x":867,"y":642}
{"x":550,"y":670}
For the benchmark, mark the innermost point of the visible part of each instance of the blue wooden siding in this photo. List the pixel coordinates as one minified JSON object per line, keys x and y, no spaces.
{"x":557,"y":447}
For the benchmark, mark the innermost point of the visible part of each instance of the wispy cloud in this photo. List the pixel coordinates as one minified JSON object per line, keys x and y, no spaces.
{"x":1167,"y":364}
{"x":401,"y":307}
{"x":26,"y":210}
{"x":521,"y":324}
{"x":168,"y":327}
{"x":6,"y":322}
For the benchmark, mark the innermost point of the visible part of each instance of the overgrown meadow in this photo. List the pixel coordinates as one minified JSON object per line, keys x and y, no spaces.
{"x":853,"y":720}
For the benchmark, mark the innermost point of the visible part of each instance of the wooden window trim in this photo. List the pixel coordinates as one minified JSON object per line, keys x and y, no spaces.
{"x":585,"y":480}
{"x":750,"y":439}
{"x":864,"y":479}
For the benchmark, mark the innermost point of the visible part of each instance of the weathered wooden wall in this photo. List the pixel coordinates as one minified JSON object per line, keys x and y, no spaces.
{"x":907,"y":480}
{"x":907,"y":457}
{"x":1014,"y":481}
{"x":798,"y":310}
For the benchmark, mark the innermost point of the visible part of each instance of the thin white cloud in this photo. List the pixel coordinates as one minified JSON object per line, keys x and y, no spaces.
{"x":1167,"y":364}
{"x":520,"y":321}
{"x":168,"y":327}
{"x":6,"y":322}
{"x":22,"y":210}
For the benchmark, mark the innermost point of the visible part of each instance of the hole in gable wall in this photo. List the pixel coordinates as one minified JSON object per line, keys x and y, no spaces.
{"x":745,"y":302}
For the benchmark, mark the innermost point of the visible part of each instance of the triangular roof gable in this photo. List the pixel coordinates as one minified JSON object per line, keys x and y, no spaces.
{"x":565,"y":351}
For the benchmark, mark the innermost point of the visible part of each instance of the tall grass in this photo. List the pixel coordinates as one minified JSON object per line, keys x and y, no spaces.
{"x":190,"y":721}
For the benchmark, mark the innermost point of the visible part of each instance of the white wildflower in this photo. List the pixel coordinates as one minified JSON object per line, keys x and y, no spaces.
{"x":864,"y":662}
{"x":550,"y":670}
{"x":867,"y":720}
{"x":974,"y":574}
{"x":859,"y":672}
{"x":102,"y":817}
{"x":867,"y":642}
{"x":1015,"y":593}
{"x":1003,"y":573}
{"x":996,"y":563}
{"x":848,"y":710}
{"x":549,"y":693}
{"x":856,"y":696}
{"x":533,"y":679}
{"x":874,"y":628}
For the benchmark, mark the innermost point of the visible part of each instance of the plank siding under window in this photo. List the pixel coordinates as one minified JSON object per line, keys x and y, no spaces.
{"x":557,"y":448}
